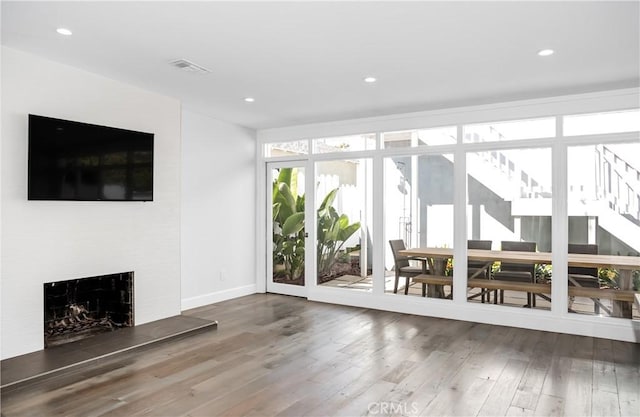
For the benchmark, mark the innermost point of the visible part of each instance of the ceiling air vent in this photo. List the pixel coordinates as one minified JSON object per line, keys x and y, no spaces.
{"x":185,"y":65}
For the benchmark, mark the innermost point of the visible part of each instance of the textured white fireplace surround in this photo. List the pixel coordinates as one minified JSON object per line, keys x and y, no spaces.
{"x":45,"y":241}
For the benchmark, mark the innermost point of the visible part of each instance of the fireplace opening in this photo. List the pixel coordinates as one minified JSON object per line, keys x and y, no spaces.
{"x":79,"y":308}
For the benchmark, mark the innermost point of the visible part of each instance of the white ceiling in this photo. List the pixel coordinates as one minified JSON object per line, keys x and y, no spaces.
{"x":305,"y":61}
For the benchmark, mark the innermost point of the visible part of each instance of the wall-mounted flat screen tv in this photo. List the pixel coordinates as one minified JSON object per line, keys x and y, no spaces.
{"x":79,"y":161}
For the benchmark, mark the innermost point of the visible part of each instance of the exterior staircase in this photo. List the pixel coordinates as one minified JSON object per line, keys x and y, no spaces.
{"x":618,"y":185}
{"x":615,"y":202}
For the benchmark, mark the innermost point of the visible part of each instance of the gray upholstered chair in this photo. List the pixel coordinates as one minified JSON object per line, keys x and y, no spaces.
{"x":474,"y":267}
{"x":517,"y":272}
{"x":585,"y":277}
{"x":402,"y":266}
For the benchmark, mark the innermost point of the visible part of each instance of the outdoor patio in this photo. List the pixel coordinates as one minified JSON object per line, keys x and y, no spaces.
{"x":580,"y":305}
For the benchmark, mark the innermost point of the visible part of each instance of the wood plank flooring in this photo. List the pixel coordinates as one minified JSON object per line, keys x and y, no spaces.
{"x":275,"y":355}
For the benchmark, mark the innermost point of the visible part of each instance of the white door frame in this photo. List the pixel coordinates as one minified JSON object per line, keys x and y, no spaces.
{"x":274,"y":287}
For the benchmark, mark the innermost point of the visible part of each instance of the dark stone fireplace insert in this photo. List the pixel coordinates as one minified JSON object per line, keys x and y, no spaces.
{"x":79,"y":308}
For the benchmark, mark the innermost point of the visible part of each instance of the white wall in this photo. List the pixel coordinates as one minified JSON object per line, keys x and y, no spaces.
{"x":218,"y":210}
{"x":44,"y":241}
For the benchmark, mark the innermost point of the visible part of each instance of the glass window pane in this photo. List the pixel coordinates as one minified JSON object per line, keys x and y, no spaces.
{"x":343,"y":208}
{"x":345,"y":143}
{"x":604,"y":219}
{"x":511,"y":130}
{"x":422,"y":137}
{"x":418,"y":210}
{"x":509,"y":210}
{"x":298,"y":147}
{"x":597,"y":123}
{"x":287,"y":213}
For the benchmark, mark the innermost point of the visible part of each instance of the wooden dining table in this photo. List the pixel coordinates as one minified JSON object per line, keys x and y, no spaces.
{"x":625,"y":265}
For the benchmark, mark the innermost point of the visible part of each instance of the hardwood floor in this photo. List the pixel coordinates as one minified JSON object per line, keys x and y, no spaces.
{"x":275,"y":355}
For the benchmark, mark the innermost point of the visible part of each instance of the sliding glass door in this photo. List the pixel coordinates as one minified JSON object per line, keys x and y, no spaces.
{"x":286,"y":231}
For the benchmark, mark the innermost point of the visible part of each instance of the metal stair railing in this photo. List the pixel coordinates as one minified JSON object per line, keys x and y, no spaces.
{"x":618,"y":183}
{"x":522,"y":184}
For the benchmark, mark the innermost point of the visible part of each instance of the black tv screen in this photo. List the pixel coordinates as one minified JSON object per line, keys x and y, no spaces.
{"x":79,"y":161}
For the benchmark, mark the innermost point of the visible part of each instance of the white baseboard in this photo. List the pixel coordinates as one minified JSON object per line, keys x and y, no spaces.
{"x":216,"y":297}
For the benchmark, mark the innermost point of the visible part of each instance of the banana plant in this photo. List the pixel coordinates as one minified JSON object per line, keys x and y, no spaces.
{"x":288,"y":225}
{"x":333,"y":231}
{"x":288,"y":228}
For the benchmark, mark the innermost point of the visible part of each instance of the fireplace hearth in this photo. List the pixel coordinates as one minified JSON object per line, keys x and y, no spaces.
{"x":80,"y":308}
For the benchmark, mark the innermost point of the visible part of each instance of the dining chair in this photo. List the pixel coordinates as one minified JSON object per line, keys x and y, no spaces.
{"x":584,"y":277}
{"x":517,"y":272}
{"x":402,"y":266}
{"x":473,"y":267}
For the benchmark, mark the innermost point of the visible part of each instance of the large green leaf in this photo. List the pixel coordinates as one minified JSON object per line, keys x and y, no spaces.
{"x":283,"y":214}
{"x":293,"y":224}
{"x":343,"y":221}
{"x":285,"y":197}
{"x":284,"y":176}
{"x":346,"y":232}
{"x":328,"y":200}
{"x":332,"y":233}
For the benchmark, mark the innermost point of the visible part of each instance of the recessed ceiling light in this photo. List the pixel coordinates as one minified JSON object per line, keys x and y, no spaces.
{"x":64,"y":31}
{"x":370,"y":80}
{"x":545,"y":52}
{"x":249,"y":99}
